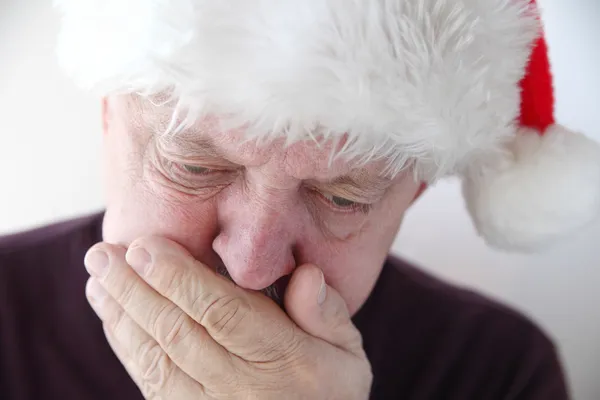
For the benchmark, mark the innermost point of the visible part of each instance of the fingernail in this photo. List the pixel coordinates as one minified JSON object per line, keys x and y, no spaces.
{"x":139,"y":259}
{"x":322,"y":290}
{"x":96,"y":262}
{"x":95,"y":292}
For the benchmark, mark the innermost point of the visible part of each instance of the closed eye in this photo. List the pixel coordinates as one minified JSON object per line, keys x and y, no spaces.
{"x":345,"y":205}
{"x":195,"y":169}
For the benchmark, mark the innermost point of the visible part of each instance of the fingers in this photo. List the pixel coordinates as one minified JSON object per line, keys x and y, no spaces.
{"x":147,"y":363}
{"x":193,"y":287}
{"x":247,"y":324}
{"x":320,"y":311}
{"x":142,"y":307}
{"x":123,"y":355}
{"x":182,"y":331}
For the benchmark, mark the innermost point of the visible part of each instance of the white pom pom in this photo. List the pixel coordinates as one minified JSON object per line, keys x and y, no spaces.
{"x":549,"y":188}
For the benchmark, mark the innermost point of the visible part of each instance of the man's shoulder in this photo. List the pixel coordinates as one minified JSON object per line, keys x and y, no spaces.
{"x":51,"y":342}
{"x":450,"y":336}
{"x":404,"y":290}
{"x":50,"y":235}
{"x":38,"y":257}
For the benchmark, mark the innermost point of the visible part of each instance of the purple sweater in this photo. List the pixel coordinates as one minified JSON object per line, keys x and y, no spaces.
{"x":425,"y":338}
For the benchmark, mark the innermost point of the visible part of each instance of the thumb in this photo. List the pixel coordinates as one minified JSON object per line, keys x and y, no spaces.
{"x":320,"y":310}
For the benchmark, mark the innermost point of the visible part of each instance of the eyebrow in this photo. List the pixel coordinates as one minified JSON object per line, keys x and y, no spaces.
{"x":156,"y":120}
{"x":360,"y":181}
{"x":368,"y":182}
{"x":192,"y":144}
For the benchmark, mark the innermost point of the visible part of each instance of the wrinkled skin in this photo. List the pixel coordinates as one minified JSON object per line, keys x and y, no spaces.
{"x":258,"y":215}
{"x":259,"y":218}
{"x":184,"y":332}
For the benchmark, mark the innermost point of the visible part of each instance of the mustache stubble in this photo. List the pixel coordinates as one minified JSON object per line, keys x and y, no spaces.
{"x":271,"y":291}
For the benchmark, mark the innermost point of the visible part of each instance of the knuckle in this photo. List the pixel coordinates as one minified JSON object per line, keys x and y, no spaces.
{"x":171,"y":326}
{"x":175,"y":281}
{"x":286,"y":348}
{"x":178,"y":333}
{"x":126,"y":292}
{"x":173,"y":278}
{"x":154,"y":365}
{"x":116,"y":319}
{"x":222,"y":315}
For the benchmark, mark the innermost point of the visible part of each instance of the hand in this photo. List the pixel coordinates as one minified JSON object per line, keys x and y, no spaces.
{"x":184,"y":332}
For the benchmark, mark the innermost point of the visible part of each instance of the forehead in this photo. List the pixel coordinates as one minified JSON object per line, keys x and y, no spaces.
{"x":306,"y":159}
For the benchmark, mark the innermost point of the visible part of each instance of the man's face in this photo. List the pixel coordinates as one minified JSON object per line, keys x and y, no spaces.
{"x":252,"y":212}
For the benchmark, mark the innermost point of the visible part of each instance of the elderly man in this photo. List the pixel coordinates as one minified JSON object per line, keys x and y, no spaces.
{"x":260,"y":156}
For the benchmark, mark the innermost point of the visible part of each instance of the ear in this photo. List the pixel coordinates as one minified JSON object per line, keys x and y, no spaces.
{"x":422,"y":189}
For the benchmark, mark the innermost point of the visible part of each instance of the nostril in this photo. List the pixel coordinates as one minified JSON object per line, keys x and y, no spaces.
{"x":219,"y":246}
{"x":296,"y":255}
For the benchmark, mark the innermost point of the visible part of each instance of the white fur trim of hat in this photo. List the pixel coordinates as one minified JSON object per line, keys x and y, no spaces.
{"x":445,"y":87}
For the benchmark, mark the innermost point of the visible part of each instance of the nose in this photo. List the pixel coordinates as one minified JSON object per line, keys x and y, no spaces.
{"x":256,"y":238}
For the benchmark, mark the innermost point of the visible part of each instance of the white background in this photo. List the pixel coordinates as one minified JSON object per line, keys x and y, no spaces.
{"x":50,"y":169}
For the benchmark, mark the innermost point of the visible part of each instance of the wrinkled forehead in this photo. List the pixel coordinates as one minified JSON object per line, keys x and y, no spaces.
{"x":312,"y":158}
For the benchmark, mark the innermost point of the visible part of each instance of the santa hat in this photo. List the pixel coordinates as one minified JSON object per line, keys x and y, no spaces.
{"x":458,"y":87}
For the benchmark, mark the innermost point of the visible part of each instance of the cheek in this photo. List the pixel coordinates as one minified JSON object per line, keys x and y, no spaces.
{"x":352,"y":266}
{"x":138,"y":206}
{"x":350,"y":256}
{"x":138,"y":214}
